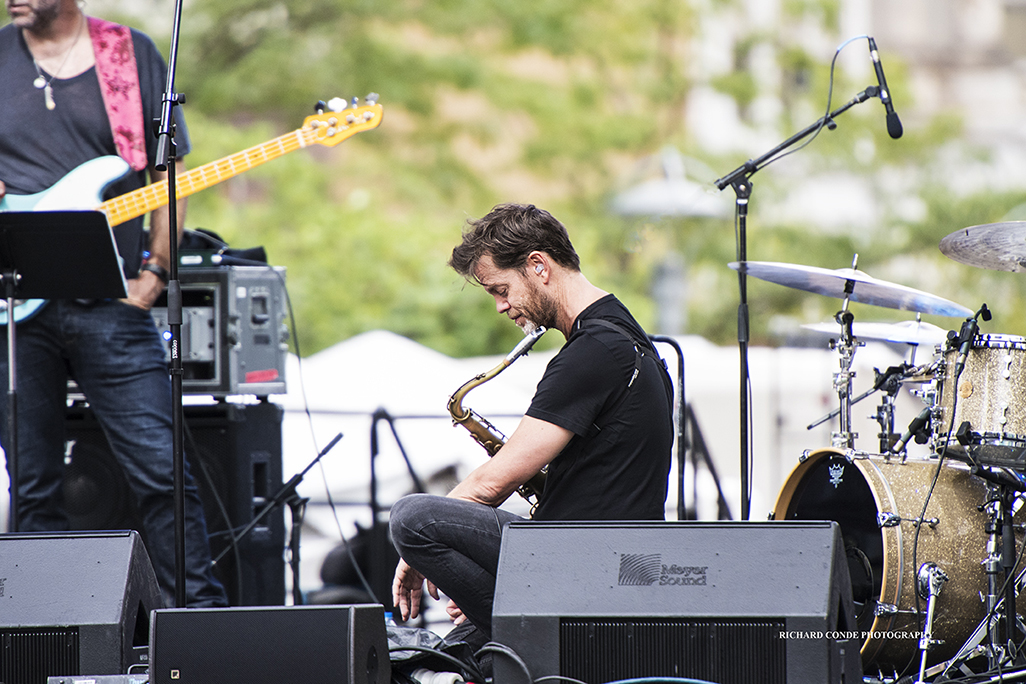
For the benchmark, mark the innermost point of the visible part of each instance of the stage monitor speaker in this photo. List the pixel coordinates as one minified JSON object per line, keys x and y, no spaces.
{"x":234,"y":453}
{"x":323,"y":644}
{"x":73,"y":604}
{"x":731,"y":603}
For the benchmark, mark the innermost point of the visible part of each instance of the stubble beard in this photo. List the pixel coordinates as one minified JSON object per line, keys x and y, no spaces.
{"x":539,"y":312}
{"x":39,"y":18}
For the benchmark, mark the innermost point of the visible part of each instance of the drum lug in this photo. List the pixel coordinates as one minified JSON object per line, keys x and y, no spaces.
{"x":849,"y":455}
{"x":885,"y":609}
{"x":887,"y":519}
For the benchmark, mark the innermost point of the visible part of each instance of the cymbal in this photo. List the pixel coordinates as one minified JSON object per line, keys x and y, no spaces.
{"x":863,"y":287}
{"x":994,"y":246}
{"x":907,"y":332}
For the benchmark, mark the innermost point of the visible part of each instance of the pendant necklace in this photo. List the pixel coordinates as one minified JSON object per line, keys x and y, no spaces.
{"x":45,"y":84}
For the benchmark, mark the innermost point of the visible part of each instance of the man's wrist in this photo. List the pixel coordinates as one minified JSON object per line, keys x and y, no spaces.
{"x":157,"y":270}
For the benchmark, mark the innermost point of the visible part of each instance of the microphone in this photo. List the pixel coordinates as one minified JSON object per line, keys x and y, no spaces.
{"x":917,"y":424}
{"x":967,"y":336}
{"x":894,"y":128}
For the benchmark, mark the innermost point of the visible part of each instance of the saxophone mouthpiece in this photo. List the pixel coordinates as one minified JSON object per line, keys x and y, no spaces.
{"x":525,"y":344}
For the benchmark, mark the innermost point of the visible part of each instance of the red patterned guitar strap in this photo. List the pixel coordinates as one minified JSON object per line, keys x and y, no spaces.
{"x":119,"y":84}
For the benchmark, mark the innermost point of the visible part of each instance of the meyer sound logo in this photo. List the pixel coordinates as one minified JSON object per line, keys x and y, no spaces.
{"x":646,"y":569}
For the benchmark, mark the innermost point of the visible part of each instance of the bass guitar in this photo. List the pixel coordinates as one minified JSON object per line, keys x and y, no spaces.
{"x":83,"y":186}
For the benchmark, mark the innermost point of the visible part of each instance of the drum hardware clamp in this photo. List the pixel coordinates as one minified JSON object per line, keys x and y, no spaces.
{"x":893,"y":520}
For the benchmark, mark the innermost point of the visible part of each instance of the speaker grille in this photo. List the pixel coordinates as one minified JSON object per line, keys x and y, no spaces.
{"x":30,"y":655}
{"x":723,"y":651}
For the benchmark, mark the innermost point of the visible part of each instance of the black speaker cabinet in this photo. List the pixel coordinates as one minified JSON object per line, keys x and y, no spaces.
{"x":731,"y":603}
{"x":323,"y":644}
{"x":73,"y":604}
{"x":234,"y":452}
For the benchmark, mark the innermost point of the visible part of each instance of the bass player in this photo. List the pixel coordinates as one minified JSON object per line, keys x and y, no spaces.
{"x":74,"y":89}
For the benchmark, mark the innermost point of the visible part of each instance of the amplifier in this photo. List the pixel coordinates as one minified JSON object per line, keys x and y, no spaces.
{"x":234,"y":337}
{"x":344,"y":644}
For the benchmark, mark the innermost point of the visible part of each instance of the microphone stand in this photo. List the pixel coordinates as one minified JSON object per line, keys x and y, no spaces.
{"x":297,"y":504}
{"x":165,"y":161}
{"x":740,"y":180}
{"x":379,"y":533}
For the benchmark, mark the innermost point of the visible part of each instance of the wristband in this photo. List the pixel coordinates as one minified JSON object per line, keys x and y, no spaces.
{"x":157,"y":270}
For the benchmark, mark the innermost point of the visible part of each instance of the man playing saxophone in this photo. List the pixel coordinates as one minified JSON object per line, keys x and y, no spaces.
{"x":600,"y":419}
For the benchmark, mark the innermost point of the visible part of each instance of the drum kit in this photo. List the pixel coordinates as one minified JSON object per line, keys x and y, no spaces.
{"x":934,"y":543}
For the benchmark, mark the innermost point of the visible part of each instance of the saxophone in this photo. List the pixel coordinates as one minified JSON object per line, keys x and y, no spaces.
{"x":486,"y":434}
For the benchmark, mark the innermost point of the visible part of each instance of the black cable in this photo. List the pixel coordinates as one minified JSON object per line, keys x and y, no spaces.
{"x":826,"y":120}
{"x":309,"y":415}
{"x":222,"y":509}
{"x":469,"y":670}
{"x":503,"y":649}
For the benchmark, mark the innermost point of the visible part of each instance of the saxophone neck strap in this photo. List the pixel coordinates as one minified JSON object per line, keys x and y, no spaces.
{"x":641,"y":350}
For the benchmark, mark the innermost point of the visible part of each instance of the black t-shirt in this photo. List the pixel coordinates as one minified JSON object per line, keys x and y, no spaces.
{"x":39,"y":146}
{"x":617,"y":463}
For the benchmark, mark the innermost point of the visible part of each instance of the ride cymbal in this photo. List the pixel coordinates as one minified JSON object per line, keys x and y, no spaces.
{"x":853,"y":284}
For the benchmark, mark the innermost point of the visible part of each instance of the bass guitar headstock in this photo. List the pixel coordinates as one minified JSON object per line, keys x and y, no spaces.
{"x":342,"y":120}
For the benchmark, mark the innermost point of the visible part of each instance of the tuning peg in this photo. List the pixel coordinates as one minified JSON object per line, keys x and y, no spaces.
{"x":319,"y":107}
{"x":372,"y":98}
{"x":336,"y":104}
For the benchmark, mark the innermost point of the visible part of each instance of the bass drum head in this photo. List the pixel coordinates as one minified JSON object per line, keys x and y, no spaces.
{"x":810,"y":493}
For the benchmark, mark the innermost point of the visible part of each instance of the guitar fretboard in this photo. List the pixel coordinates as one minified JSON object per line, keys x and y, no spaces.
{"x":130,"y":205}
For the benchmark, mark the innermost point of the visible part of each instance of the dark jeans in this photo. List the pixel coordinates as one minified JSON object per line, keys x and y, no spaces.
{"x":114,"y":352}
{"x":455,"y":544}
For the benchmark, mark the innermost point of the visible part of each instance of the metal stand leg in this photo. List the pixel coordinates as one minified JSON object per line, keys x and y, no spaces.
{"x":297,"y":507}
{"x":10,"y":282}
{"x":930,"y":580}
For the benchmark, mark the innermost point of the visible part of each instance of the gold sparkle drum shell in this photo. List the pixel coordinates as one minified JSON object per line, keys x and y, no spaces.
{"x":991,"y":396}
{"x":874,"y":501}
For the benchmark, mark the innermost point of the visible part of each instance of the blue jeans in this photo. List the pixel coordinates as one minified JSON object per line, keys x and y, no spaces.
{"x":455,"y":544}
{"x":115,"y":354}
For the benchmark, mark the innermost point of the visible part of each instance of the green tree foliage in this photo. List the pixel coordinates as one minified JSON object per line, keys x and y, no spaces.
{"x":484,"y":102}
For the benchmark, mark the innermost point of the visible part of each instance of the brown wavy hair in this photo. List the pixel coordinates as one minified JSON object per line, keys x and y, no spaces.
{"x":509,"y":233}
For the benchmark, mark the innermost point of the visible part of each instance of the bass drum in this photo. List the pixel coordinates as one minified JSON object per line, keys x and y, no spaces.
{"x":861,"y":493}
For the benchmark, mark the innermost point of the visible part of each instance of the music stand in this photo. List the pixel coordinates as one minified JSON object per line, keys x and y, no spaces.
{"x":51,"y":255}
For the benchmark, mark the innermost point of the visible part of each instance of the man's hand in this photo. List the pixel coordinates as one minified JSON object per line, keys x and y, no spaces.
{"x":3,"y":189}
{"x":408,"y":589}
{"x":455,"y":614}
{"x":144,"y":290}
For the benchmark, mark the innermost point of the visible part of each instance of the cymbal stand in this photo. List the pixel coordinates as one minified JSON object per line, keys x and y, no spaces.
{"x":1003,"y":489}
{"x":1000,"y":554}
{"x":844,"y":438}
{"x":889,"y":381}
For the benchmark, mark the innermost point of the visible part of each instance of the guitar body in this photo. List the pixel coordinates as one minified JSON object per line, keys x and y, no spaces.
{"x":81,"y":188}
